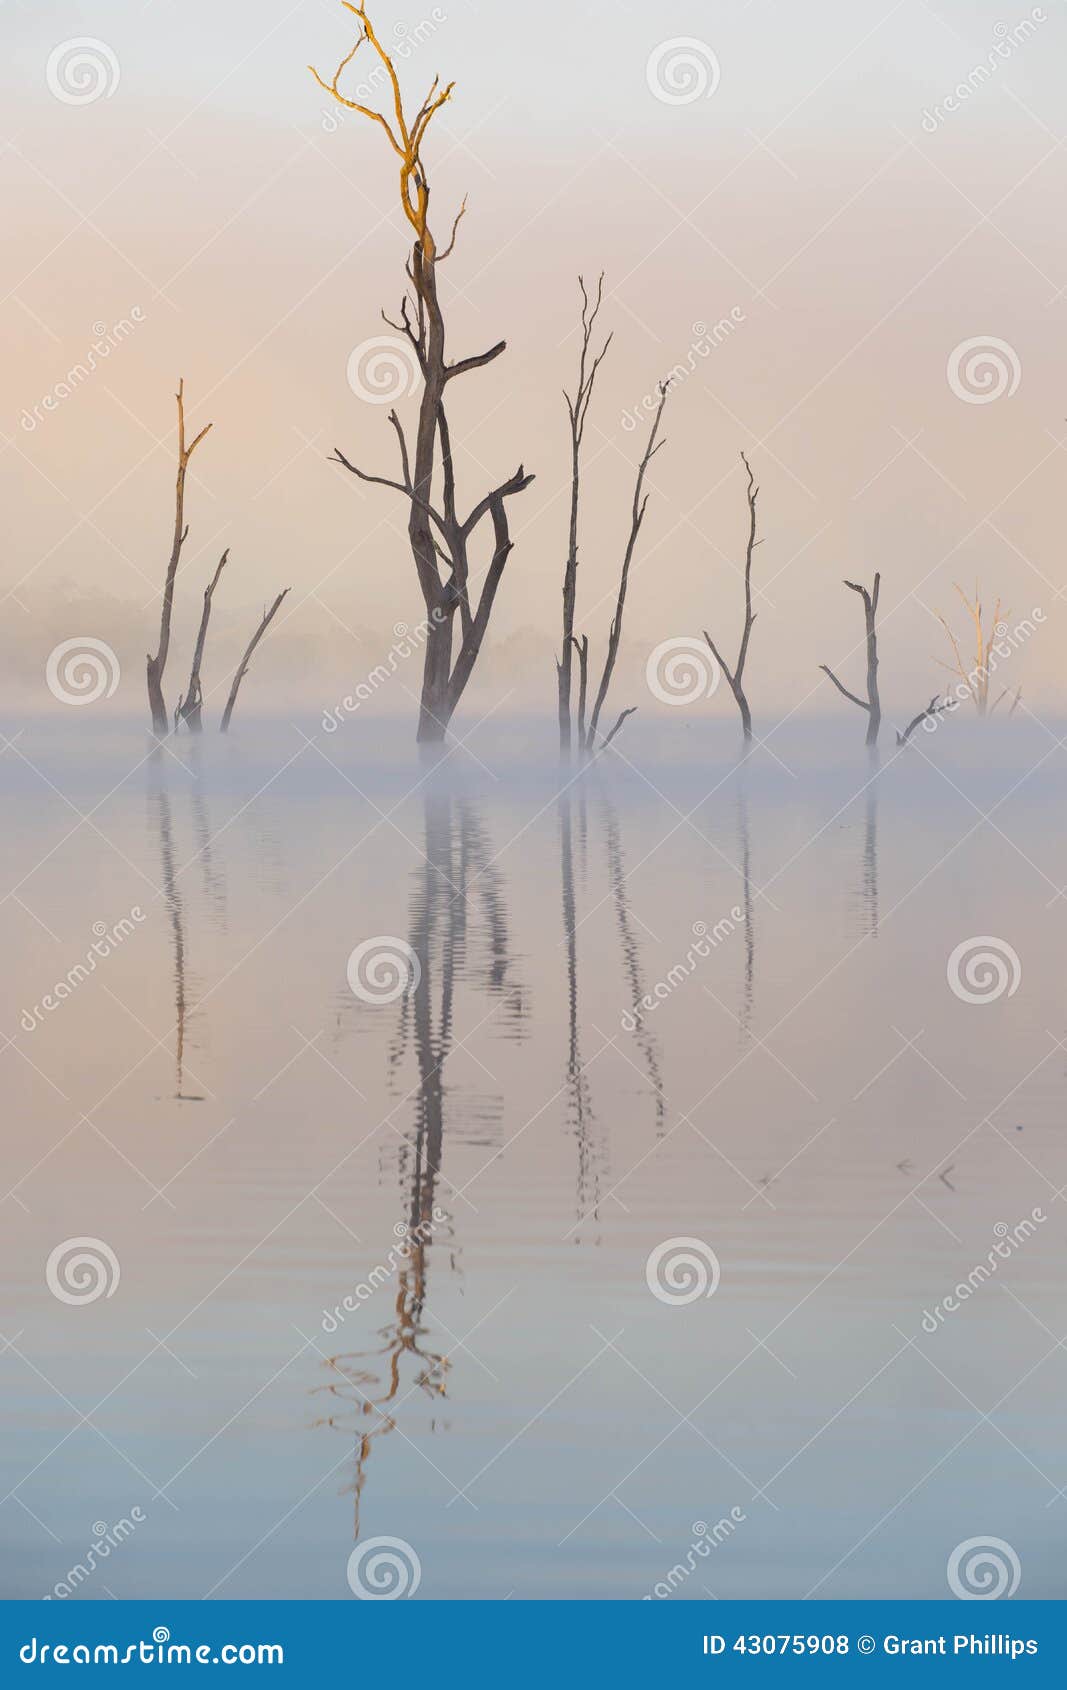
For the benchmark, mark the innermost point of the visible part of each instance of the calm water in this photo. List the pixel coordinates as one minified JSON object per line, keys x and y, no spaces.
{"x":809,"y":1100}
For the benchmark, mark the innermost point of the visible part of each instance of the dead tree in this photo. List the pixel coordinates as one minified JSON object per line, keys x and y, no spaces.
{"x":242,"y":667}
{"x":439,"y":537}
{"x":587,"y":736}
{"x":158,"y":663}
{"x":936,"y":707}
{"x":872,"y":703}
{"x":577,"y":410}
{"x":975,"y":682}
{"x":189,"y":707}
{"x":736,"y":678}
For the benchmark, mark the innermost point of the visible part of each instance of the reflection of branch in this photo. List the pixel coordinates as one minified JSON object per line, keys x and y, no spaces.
{"x":457,"y":877}
{"x":177,"y":925}
{"x":631,"y":955}
{"x":401,"y":1338}
{"x":589,"y":1156}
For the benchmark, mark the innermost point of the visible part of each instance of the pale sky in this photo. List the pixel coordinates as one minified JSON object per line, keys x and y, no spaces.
{"x":857,"y":244}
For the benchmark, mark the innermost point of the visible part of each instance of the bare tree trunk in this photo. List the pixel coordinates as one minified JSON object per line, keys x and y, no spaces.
{"x":736,"y":678}
{"x":434,"y":714}
{"x":577,"y":410}
{"x":582,"y":648}
{"x":242,"y":668}
{"x":872,"y":703}
{"x":637,"y":517}
{"x":189,"y":707}
{"x":439,"y":538}
{"x":157,"y":664}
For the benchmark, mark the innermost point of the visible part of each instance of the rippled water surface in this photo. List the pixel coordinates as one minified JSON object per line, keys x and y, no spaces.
{"x":484,"y":1164}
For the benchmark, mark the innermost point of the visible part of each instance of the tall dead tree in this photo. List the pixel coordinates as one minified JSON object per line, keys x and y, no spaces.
{"x":736,"y":677}
{"x":588,"y":735}
{"x":439,"y":537}
{"x":190,"y":706}
{"x":872,"y":703}
{"x":577,"y":410}
{"x":975,"y":681}
{"x":242,"y":667}
{"x":157,"y":664}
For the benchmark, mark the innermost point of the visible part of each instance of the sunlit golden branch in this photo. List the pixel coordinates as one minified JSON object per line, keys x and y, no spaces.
{"x":407,"y":138}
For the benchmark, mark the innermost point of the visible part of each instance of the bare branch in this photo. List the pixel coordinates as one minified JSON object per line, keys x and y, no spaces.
{"x":637,"y":517}
{"x":577,"y":412}
{"x":719,"y":658}
{"x":477,"y":362}
{"x":936,"y":707}
{"x":862,"y":702}
{"x":736,"y":679}
{"x":242,"y":668}
{"x":189,"y":707}
{"x":621,"y":719}
{"x":441,"y":256}
{"x":338,"y":457}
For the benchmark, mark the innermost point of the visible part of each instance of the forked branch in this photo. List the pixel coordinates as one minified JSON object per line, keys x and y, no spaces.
{"x":156,"y":665}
